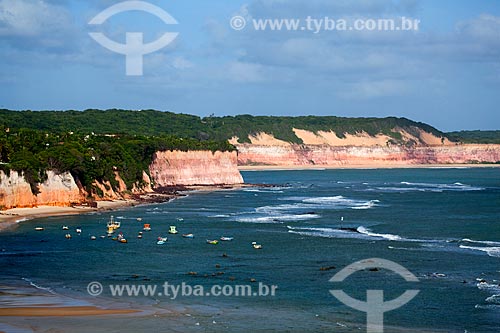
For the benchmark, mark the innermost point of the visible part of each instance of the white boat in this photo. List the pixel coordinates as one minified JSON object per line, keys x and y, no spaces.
{"x":78,"y":230}
{"x":188,"y":235}
{"x":226,"y":239}
{"x":65,"y":227}
{"x":39,"y":229}
{"x":113,"y":224}
{"x":121,"y":238}
{"x":160,"y":242}
{"x":68,"y":236}
{"x":173,"y":230}
{"x":256,"y":246}
{"x":93,"y":237}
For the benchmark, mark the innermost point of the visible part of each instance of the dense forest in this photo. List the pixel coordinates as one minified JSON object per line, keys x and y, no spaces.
{"x":151,"y":122}
{"x":476,"y":136}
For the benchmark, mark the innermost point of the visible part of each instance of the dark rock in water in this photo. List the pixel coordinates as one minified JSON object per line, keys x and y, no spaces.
{"x":220,"y":273}
{"x":217,"y":265}
{"x":224,"y":255}
{"x":482,"y":281}
{"x":374,"y":269}
{"x":327,"y":268}
{"x":232,"y":278}
{"x":350,"y":229}
{"x":135,"y":276}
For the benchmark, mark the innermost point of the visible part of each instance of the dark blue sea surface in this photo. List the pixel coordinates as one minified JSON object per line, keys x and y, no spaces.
{"x":443,"y":225}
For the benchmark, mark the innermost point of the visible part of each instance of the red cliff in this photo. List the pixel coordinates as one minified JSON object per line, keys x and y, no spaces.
{"x":326,"y":155}
{"x":195,"y":168}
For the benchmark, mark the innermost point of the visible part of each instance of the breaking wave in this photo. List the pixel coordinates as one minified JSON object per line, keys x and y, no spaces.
{"x":491,"y":251}
{"x":425,"y":187}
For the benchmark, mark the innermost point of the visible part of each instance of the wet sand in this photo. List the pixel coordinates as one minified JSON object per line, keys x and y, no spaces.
{"x":9,"y":218}
{"x":72,"y":311}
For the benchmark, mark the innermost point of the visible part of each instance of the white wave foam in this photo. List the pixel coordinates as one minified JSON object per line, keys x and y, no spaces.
{"x":360,"y":233}
{"x":363,"y":230}
{"x":491,"y":251}
{"x":33,"y":284}
{"x":220,"y":216}
{"x":481,"y":242}
{"x":278,"y":218}
{"x":323,"y":232}
{"x":318,"y":203}
{"x":455,"y":186}
{"x":494,"y":299}
{"x":426,"y":187}
{"x":255,"y":190}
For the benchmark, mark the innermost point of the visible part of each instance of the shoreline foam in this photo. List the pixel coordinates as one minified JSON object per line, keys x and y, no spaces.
{"x":362,"y":166}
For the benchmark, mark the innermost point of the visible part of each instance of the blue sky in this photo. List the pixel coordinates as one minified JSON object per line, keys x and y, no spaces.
{"x":447,"y":74}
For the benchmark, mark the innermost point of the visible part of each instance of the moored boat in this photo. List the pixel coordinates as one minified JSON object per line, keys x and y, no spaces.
{"x":226,"y":239}
{"x":188,"y":235}
{"x":213,"y":242}
{"x":113,"y":224}
{"x":39,"y":228}
{"x":256,"y":246}
{"x":147,"y":227}
{"x":173,"y":230}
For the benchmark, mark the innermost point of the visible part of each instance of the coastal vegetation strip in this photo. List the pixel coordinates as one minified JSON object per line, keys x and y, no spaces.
{"x":89,"y":157}
{"x":154,"y":123}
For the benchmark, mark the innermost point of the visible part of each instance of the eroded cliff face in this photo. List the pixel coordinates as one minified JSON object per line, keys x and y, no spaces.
{"x":367,"y":156}
{"x":168,"y":168}
{"x":195,"y":168}
{"x":57,"y":190}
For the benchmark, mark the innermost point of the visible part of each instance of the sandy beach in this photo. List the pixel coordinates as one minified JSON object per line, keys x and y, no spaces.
{"x":70,"y":311}
{"x":10,"y":217}
{"x":363,"y":166}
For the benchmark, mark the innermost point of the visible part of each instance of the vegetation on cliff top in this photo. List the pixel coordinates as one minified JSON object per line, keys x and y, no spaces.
{"x":88,"y":157}
{"x":492,"y":137}
{"x":151,"y":122}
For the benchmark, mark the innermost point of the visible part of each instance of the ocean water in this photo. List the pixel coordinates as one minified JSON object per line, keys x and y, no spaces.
{"x":443,"y":225}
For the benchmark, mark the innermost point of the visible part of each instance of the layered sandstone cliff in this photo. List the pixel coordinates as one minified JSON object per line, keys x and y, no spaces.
{"x":57,"y":190}
{"x":195,"y":168}
{"x":168,"y":168}
{"x":367,"y":156}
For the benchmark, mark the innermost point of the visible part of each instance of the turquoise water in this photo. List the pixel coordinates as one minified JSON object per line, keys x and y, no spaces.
{"x":441,"y":224}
